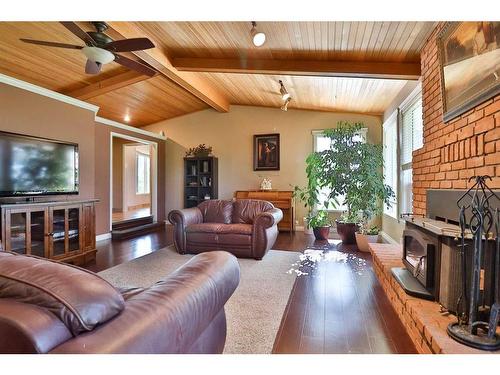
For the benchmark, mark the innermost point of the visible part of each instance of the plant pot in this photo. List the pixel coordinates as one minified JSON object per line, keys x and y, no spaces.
{"x":321,"y":233}
{"x":307,"y":228}
{"x":202,"y":155}
{"x":346,"y":232}
{"x":362,"y":240}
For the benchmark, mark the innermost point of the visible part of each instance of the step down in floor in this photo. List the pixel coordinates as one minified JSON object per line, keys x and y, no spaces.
{"x":138,"y":229}
{"x":129,"y":223}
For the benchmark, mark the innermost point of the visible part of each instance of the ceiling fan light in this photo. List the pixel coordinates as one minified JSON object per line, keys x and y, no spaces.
{"x":286,"y":96}
{"x":99,"y":55}
{"x":258,"y":37}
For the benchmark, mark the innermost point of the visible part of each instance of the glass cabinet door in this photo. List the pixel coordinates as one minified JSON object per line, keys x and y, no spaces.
{"x":37,"y":239}
{"x":58,"y":231}
{"x":17,"y":241}
{"x":73,"y":229}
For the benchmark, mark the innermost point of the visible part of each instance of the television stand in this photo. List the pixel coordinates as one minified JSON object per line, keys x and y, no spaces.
{"x":60,"y":230}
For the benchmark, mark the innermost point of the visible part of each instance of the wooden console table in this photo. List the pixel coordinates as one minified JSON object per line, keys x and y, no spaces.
{"x":280,"y":199}
{"x":61,"y":230}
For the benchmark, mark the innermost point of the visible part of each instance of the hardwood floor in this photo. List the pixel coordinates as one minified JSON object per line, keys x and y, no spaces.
{"x":336,"y":306}
{"x":130,"y":214}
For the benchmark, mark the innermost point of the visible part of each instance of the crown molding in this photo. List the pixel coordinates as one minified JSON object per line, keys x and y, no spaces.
{"x":47,"y":93}
{"x":105,"y":121}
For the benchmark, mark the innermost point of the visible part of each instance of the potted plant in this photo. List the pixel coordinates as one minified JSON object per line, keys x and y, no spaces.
{"x":200,"y":151}
{"x":319,"y":221}
{"x":367,"y":235}
{"x":352,"y":169}
{"x":309,"y":194}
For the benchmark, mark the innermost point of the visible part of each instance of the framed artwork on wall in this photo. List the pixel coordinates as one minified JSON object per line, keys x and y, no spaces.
{"x":469,"y":54}
{"x":266,"y":152}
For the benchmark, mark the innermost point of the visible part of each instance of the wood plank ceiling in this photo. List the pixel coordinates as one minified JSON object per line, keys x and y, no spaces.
{"x":342,"y":52}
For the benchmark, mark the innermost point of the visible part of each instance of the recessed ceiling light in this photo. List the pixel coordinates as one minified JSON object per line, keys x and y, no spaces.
{"x":258,"y":38}
{"x":126,"y":118}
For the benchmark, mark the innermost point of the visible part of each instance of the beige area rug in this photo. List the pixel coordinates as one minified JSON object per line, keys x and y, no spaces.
{"x":254,"y":311}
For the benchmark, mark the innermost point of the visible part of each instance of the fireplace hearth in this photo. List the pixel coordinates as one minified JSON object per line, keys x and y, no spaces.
{"x":452,"y":257}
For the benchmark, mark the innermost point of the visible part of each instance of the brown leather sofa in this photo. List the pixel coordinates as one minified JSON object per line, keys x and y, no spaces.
{"x":245,"y":227}
{"x":51,"y":307}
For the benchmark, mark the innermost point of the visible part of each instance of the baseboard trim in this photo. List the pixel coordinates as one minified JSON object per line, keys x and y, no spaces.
{"x":104,"y":236}
{"x":388,"y":239}
{"x":299,"y":228}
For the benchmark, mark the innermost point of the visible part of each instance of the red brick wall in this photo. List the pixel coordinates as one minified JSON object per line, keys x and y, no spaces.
{"x":465,"y":146}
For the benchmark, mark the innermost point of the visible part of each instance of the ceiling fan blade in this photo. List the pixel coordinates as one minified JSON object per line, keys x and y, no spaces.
{"x":134,"y":65}
{"x":92,"y":67}
{"x":50,"y":44}
{"x":75,"y":29}
{"x":127,"y":45}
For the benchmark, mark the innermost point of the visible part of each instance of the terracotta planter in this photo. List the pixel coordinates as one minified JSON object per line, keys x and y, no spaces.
{"x":347,"y":232}
{"x":321,"y":233}
{"x":362,"y":240}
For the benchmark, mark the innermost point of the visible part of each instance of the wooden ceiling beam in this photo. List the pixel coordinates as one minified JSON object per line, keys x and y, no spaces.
{"x":107,"y":85}
{"x":321,"y":68}
{"x":197,"y":86}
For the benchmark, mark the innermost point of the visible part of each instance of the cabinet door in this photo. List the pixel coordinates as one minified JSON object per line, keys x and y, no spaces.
{"x":25,"y":231}
{"x":65,"y":231}
{"x":88,"y":233}
{"x":16,"y":231}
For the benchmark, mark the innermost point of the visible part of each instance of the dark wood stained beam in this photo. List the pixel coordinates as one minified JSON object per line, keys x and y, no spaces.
{"x":321,"y":68}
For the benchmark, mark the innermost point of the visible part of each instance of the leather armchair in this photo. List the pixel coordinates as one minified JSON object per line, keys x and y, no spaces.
{"x":247,"y":228}
{"x":184,"y":313}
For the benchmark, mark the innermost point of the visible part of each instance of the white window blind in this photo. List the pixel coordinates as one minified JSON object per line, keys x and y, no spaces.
{"x":412,"y":135}
{"x":143,"y":170}
{"x":322,"y":143}
{"x":390,"y":153}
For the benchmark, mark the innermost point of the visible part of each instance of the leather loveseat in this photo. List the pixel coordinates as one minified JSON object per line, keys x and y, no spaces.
{"x":245,"y":227}
{"x":52,"y":307}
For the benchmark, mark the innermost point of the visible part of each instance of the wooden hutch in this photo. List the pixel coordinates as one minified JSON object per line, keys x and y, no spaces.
{"x":280,"y":199}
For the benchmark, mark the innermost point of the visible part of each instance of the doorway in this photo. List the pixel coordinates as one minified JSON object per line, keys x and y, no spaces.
{"x":132,"y":178}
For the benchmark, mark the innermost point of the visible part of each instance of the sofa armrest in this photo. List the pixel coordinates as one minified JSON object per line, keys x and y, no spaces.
{"x":181,"y":219}
{"x":269,"y":218}
{"x":185,"y":216}
{"x":170,"y":316}
{"x":29,"y":329}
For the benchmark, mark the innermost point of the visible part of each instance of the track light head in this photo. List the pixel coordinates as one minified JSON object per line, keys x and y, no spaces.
{"x":258,"y":38}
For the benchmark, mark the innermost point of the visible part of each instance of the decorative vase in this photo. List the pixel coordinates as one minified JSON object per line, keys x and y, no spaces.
{"x":362,"y":240}
{"x":346,"y":232}
{"x":321,"y":233}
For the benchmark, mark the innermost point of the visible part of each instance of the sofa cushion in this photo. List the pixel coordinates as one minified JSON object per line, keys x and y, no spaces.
{"x":235,"y":229}
{"x":79,"y":298}
{"x":245,"y":210}
{"x":216,"y":211}
{"x":203,"y":228}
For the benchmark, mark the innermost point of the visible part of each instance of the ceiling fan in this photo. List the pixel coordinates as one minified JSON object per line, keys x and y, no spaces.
{"x":100,"y":49}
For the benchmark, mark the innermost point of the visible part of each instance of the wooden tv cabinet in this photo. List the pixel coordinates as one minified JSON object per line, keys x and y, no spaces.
{"x":60,"y":230}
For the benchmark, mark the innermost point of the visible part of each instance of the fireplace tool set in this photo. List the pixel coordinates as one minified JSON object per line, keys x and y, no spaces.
{"x":478,"y":307}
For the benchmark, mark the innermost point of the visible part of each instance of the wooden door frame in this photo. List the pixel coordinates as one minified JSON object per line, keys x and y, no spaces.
{"x":154,"y":173}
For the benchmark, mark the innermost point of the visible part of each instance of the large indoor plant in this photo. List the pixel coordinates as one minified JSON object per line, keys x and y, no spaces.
{"x":352,"y":168}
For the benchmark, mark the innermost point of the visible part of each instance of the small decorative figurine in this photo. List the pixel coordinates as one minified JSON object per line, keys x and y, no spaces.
{"x":266,"y":184}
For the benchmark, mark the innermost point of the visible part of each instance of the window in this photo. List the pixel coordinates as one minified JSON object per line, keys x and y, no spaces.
{"x":411,"y":139}
{"x":322,"y":143}
{"x":142,"y":177}
{"x":390,"y":144}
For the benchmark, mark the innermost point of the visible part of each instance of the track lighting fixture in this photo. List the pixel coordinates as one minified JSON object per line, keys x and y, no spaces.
{"x":258,"y":38}
{"x":285,"y":96}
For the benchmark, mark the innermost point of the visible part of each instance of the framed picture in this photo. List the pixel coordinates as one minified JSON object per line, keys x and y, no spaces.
{"x":469,"y":54}
{"x":266,"y":152}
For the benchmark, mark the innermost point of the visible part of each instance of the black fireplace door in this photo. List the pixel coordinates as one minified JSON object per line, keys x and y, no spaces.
{"x":418,"y":256}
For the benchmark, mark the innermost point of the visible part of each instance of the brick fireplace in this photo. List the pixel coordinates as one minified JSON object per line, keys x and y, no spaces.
{"x":467,"y":145}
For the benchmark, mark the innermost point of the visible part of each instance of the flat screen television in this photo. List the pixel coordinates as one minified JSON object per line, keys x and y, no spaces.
{"x":31,"y":166}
